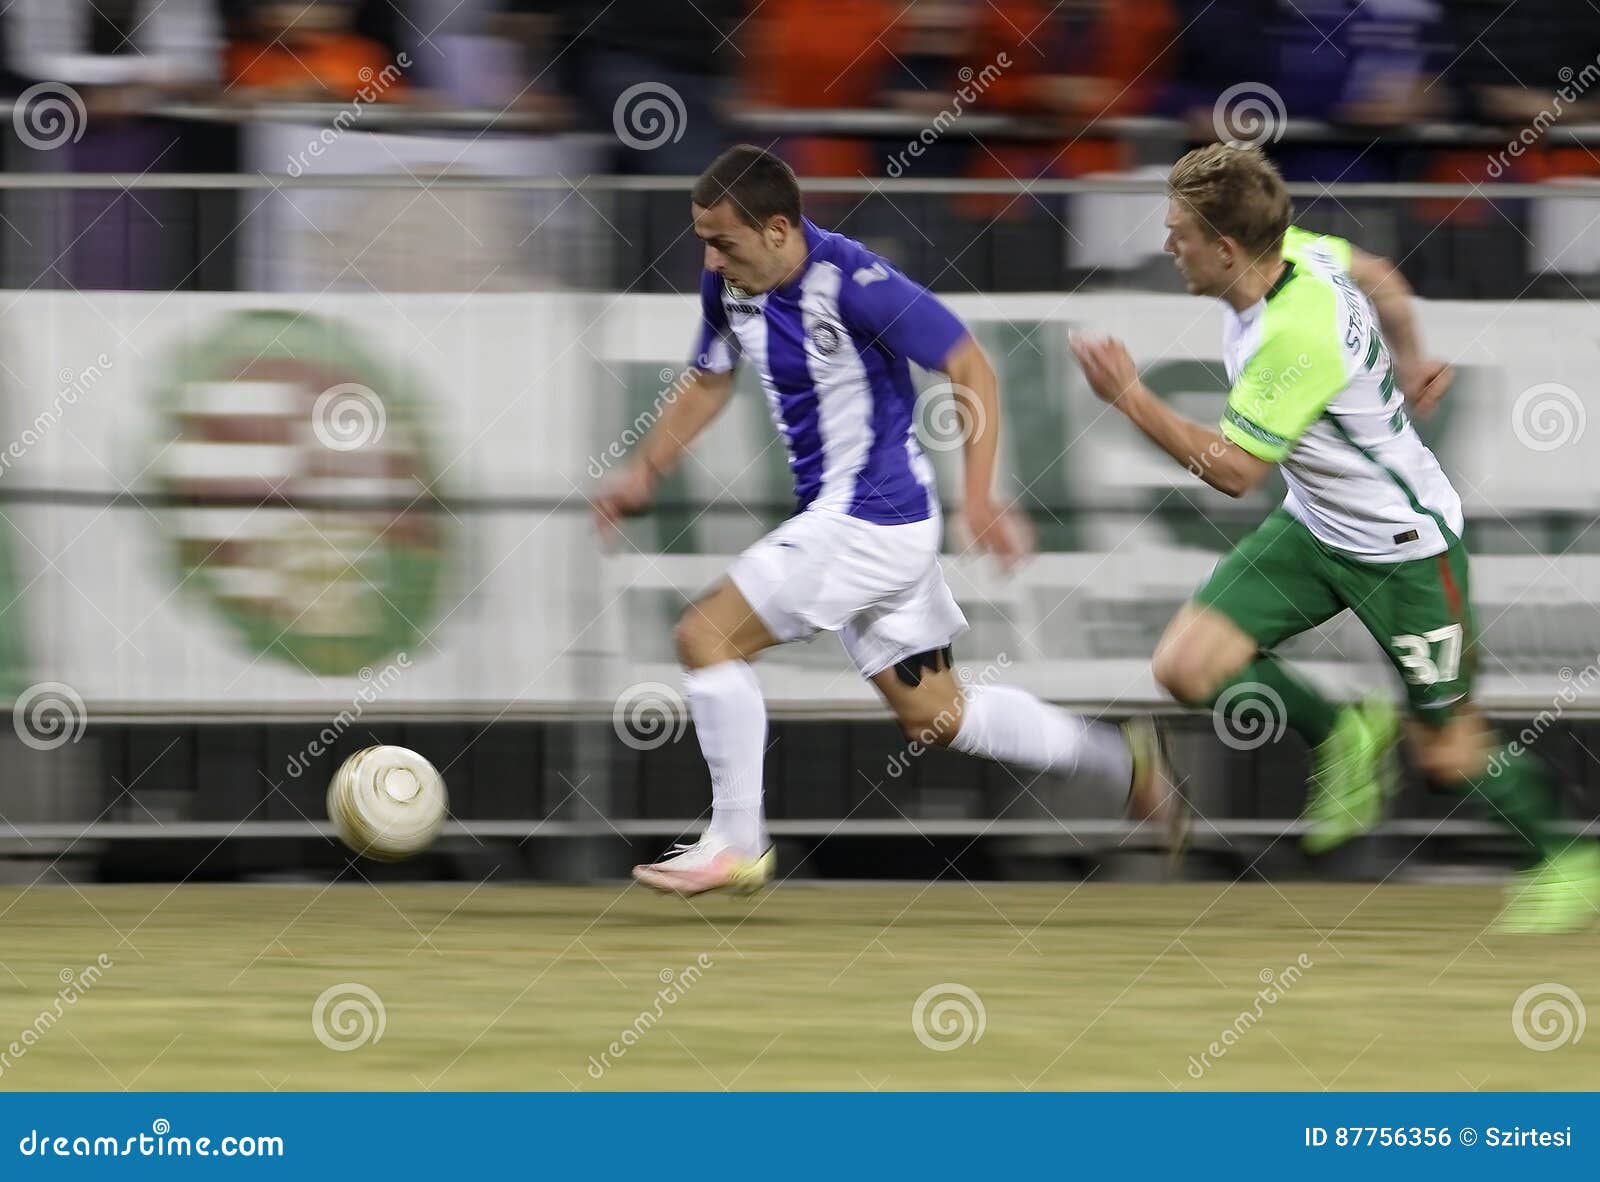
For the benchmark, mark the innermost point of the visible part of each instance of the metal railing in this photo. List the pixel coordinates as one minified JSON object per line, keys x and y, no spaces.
{"x":460,"y":230}
{"x":841,"y":186}
{"x":856,"y":122}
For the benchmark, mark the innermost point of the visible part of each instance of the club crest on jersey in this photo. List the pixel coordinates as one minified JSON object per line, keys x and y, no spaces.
{"x":825,"y":338}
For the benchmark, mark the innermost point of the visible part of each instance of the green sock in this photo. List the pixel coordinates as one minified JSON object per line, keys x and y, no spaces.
{"x":1520,"y":796}
{"x":1265,"y":691}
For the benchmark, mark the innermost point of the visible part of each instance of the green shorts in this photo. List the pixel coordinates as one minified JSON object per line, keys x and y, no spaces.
{"x":1281,"y":581}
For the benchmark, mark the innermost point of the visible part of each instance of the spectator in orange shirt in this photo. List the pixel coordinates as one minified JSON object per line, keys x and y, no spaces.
{"x":821,"y":55}
{"x":309,"y":51}
{"x":1078,"y":62}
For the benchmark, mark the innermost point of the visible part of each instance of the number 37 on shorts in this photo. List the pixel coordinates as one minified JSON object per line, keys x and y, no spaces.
{"x":1421,"y":613}
{"x":1430,"y":658}
{"x":1431,"y":663}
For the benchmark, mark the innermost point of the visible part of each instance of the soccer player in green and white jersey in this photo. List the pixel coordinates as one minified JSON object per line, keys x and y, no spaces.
{"x":1323,"y":354}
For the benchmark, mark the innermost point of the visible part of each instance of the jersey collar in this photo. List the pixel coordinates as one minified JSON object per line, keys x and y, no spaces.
{"x":813,"y":240}
{"x":1282,"y":281}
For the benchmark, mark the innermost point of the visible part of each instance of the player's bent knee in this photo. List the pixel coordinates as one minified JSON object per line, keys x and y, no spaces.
{"x":1185,"y":679}
{"x":1450,"y":764}
{"x":1449,"y":757}
{"x":922,"y":723}
{"x":1451,"y":754}
{"x":698,"y":640}
{"x":1440,"y":765}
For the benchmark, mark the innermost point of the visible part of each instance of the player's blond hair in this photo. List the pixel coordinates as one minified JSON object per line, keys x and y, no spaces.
{"x":1234,"y":192}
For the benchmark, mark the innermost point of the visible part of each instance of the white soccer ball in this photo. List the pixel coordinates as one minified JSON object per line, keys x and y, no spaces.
{"x":387,"y":803}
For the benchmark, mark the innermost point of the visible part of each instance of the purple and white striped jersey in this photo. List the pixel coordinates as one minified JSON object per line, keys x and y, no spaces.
{"x":832,"y":348}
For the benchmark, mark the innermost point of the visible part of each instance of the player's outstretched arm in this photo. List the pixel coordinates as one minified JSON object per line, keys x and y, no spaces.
{"x":1220,"y":462}
{"x":1423,"y":380}
{"x":697,"y":399}
{"x":977,"y":389}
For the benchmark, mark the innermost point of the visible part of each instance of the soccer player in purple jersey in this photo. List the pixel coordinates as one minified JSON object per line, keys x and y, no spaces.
{"x":832,"y":328}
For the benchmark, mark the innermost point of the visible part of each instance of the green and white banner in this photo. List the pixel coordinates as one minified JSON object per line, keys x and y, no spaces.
{"x":241,"y":503}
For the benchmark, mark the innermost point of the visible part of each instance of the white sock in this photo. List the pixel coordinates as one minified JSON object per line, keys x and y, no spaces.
{"x":730,"y":718}
{"x":1002,"y":722}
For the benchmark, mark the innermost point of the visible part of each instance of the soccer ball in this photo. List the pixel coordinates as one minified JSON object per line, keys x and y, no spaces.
{"x":387,"y":803}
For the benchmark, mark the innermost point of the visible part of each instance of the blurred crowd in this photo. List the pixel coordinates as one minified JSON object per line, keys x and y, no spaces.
{"x":1364,"y":65}
{"x":1336,"y":90}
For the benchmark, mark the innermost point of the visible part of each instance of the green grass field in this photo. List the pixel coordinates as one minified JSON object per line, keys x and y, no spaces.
{"x":1082,"y":987}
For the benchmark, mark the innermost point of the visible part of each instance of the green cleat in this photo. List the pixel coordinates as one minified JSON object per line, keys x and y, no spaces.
{"x":1351,"y":776}
{"x":1560,"y":894}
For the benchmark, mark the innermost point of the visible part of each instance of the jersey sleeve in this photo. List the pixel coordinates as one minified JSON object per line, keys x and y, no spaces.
{"x":1283,"y":388}
{"x":1297,"y":241}
{"x":716,"y":348}
{"x":906,"y":317}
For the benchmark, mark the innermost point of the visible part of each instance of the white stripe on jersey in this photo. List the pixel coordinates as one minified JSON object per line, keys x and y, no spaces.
{"x":719,"y":357}
{"x":752,"y":338}
{"x":844,"y":395}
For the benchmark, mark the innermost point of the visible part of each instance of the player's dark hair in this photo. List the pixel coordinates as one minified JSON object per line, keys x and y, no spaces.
{"x":1234,"y":190}
{"x":757,"y":183}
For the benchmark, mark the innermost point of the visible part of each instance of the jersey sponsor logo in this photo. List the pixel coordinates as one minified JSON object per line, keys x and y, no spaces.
{"x":745,"y":309}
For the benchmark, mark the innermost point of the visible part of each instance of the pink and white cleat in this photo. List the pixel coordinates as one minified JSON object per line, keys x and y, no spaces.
{"x":707,"y":865}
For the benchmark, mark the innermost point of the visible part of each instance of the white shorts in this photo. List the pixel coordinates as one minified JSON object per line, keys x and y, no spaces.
{"x":879,"y":586}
